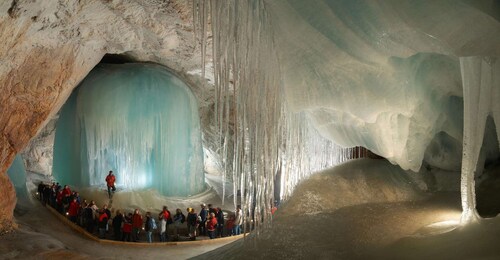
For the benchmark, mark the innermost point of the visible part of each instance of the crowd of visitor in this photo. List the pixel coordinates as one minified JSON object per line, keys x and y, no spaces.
{"x":128,"y":226}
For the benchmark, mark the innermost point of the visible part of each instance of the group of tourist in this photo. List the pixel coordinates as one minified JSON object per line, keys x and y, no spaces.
{"x":210,"y":221}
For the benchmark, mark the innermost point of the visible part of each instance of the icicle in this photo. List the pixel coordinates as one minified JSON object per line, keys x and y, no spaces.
{"x":479,"y":75}
{"x":259,"y":136}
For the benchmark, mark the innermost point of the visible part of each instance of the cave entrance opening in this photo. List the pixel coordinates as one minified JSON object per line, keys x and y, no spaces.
{"x":140,"y":121}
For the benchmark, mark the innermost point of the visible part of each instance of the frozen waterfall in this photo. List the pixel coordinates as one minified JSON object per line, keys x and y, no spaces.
{"x":138,"y":120}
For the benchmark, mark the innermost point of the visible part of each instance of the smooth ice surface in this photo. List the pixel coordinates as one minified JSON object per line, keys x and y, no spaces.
{"x":138,"y":120}
{"x":17,"y":175}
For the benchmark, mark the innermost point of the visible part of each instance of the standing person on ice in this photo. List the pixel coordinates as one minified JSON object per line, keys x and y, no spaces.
{"x":193,"y":220}
{"x":238,"y":220}
{"x":166,"y":219}
{"x":136,"y":225}
{"x":110,"y":182}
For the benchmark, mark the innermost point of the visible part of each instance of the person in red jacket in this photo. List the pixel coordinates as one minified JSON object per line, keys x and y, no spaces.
{"x":127,"y":227}
{"x":166,"y":215}
{"x":74,"y":206}
{"x":59,"y":202}
{"x":211,"y":225}
{"x":136,"y":225}
{"x":110,"y":182}
{"x":103,"y":222}
{"x":66,"y":192}
{"x":165,"y":219}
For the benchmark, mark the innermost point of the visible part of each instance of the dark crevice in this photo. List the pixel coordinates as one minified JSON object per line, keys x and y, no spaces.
{"x":12,"y":10}
{"x":488,"y":181}
{"x":117,"y":59}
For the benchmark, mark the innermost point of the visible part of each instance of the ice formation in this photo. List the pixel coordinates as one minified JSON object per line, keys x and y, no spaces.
{"x":17,"y":175}
{"x":384,"y":75}
{"x":262,"y":141}
{"x":138,"y":120}
{"x":481,"y":86}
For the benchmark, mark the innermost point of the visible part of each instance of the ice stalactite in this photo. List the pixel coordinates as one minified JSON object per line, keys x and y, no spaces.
{"x":481,"y":88}
{"x":138,"y":120}
{"x":305,"y":152}
{"x":260,"y":138}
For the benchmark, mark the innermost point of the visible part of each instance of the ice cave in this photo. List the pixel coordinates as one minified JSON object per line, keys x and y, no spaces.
{"x":345,"y":129}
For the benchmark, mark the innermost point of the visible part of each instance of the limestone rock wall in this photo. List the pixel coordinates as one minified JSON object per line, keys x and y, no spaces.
{"x":48,"y":47}
{"x":39,"y":152}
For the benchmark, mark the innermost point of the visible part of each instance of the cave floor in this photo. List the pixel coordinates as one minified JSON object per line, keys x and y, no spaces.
{"x":397,"y":230}
{"x":426,"y":229}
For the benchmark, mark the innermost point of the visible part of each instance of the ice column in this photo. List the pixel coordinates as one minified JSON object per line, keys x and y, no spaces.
{"x":481,"y":87}
{"x":138,"y":120}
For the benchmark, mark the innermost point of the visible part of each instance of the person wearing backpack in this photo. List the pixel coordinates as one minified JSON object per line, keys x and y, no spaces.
{"x":179,"y":219}
{"x":149,"y":227}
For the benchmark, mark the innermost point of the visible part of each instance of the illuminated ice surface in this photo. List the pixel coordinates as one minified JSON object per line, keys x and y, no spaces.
{"x":481,"y":85}
{"x":384,"y":75}
{"x":135,"y":119}
{"x":17,"y":175}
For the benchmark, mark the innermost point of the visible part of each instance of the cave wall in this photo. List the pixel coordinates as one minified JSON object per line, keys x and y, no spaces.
{"x":48,"y":47}
{"x":39,"y":152}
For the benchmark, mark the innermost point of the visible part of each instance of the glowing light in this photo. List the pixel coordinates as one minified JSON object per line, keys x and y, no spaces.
{"x":444,"y":224}
{"x":449,"y":220}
